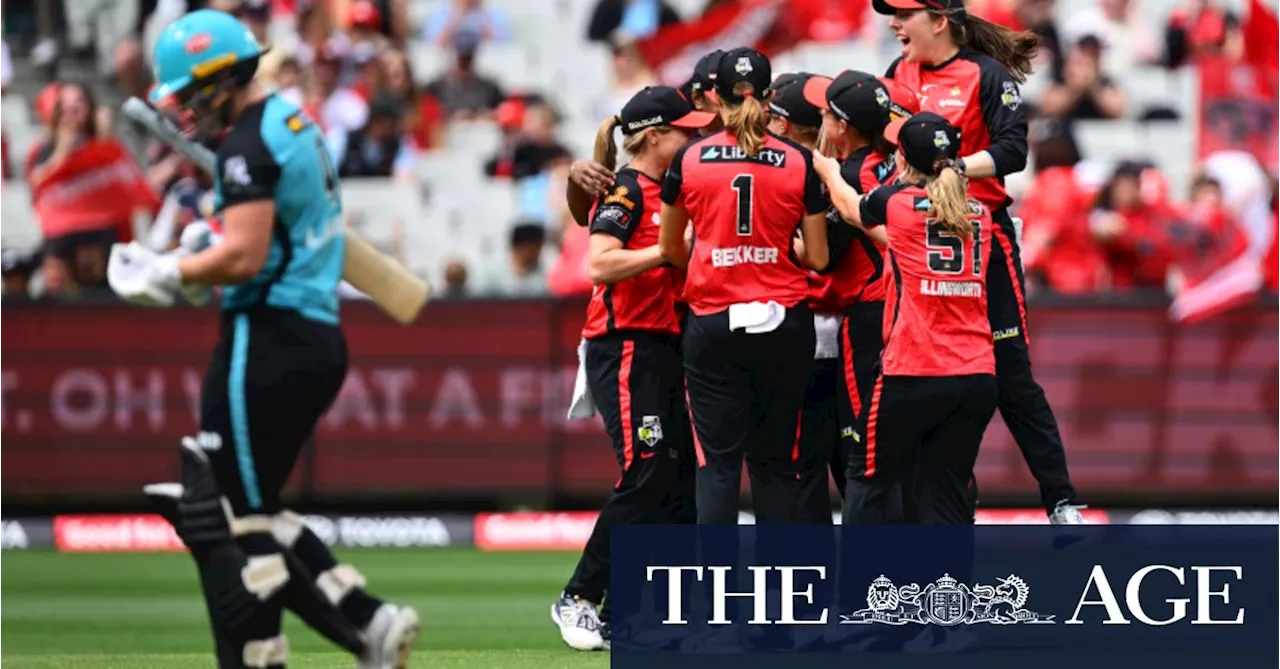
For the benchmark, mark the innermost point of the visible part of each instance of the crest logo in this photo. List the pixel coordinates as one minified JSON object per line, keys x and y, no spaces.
{"x":650,"y":430}
{"x":947,"y":602}
{"x":743,"y":66}
{"x":941,"y":140}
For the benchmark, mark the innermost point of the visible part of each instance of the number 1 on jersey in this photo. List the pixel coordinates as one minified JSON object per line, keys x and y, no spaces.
{"x":744,"y":186}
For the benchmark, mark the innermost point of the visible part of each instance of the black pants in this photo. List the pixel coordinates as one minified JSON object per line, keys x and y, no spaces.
{"x":819,"y":444}
{"x":745,"y":395}
{"x":272,"y":376}
{"x":922,"y":441}
{"x":637,"y":382}
{"x":861,"y":343}
{"x":1022,"y":402}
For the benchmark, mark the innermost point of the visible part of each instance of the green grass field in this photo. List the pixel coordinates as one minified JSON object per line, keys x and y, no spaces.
{"x":128,"y":611}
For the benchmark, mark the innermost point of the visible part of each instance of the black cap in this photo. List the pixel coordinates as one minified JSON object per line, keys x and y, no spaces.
{"x":925,"y":139}
{"x":892,"y":6}
{"x":857,"y":98}
{"x":660,"y":105}
{"x":739,"y":65}
{"x":788,"y":100}
{"x":704,"y":72}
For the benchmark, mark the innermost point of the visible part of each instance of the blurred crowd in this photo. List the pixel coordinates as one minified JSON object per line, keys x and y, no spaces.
{"x":348,"y":64}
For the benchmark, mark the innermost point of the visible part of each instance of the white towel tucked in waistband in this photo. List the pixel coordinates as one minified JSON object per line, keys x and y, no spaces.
{"x":827,"y":329}
{"x":582,"y":405}
{"x":756,"y":317}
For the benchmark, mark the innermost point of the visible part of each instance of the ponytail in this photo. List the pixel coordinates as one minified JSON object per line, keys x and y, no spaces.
{"x":606,"y":152}
{"x":1013,"y":49}
{"x":748,"y":121}
{"x":950,"y":202}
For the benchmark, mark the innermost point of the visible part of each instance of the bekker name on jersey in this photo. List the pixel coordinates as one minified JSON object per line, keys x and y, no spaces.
{"x":744,"y":255}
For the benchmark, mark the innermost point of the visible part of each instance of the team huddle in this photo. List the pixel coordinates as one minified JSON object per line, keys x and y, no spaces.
{"x":810,"y":274}
{"x":817,"y":276}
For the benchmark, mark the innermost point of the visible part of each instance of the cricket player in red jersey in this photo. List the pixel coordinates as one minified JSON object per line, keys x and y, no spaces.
{"x":633,"y":362}
{"x":856,"y":109}
{"x":588,"y":179}
{"x":937,"y":390}
{"x":793,"y":117}
{"x":967,"y":70}
{"x":749,"y":340}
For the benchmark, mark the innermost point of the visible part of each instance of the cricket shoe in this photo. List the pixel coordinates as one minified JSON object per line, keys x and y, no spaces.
{"x":606,"y":635}
{"x":389,"y":638}
{"x":1066,"y":513}
{"x":578,"y":622}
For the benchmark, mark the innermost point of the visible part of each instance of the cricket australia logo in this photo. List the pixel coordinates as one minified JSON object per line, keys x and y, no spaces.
{"x":947,"y":602}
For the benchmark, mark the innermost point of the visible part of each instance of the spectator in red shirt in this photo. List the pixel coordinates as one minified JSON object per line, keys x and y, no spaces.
{"x":749,"y":342}
{"x":424,"y":116}
{"x":1058,"y":249}
{"x":1131,"y":231}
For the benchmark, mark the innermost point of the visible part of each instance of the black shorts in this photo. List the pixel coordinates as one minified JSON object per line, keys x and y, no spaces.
{"x":1006,"y":285}
{"x":272,"y":376}
{"x":745,"y":394}
{"x":861,"y":343}
{"x":637,"y":383}
{"x":924,"y":433}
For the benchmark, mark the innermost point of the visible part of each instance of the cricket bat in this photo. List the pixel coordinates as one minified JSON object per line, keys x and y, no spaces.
{"x":391,"y":286}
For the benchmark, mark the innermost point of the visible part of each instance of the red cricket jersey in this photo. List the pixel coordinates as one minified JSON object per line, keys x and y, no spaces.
{"x":976,"y":94}
{"x":745,"y":211}
{"x":647,"y":301}
{"x":857,"y":264}
{"x":935,"y":316}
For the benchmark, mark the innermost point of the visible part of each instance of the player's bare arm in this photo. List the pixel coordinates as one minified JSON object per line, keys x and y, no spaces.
{"x":608,"y":262}
{"x":672,"y":242}
{"x":246,"y":241}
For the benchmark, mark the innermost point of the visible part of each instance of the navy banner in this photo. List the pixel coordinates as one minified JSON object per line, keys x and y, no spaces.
{"x":763,"y":597}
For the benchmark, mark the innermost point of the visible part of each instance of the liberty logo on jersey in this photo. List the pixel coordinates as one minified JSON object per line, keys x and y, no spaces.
{"x":735,"y":154}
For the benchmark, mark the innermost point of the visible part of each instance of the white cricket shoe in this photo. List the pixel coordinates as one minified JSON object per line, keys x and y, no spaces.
{"x":390,"y":637}
{"x":578,"y":622}
{"x":1066,"y":513}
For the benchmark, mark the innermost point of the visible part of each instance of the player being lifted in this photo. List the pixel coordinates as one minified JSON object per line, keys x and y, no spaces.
{"x":278,"y":365}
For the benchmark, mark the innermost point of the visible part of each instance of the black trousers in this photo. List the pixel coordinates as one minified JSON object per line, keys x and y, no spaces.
{"x":272,"y":376}
{"x":637,"y":382}
{"x":1022,"y":402}
{"x":861,"y":343}
{"x":922,"y":441}
{"x":745,"y":394}
{"x":819,"y":444}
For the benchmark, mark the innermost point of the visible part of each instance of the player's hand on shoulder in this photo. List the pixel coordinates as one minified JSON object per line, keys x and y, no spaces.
{"x":828,"y":168}
{"x":142,"y":276}
{"x":591,"y":177}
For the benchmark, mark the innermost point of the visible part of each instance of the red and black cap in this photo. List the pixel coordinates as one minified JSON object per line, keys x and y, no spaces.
{"x":926,"y":141}
{"x":788,"y":100}
{"x":903,"y":101}
{"x":739,"y":65}
{"x":892,"y":6}
{"x":857,"y":98}
{"x":661,"y":105}
{"x":704,"y":72}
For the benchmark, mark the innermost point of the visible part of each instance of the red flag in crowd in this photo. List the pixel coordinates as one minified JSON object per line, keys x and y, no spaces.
{"x":1219,"y":273}
{"x":1262,"y":43}
{"x":98,"y":183}
{"x":771,"y":26}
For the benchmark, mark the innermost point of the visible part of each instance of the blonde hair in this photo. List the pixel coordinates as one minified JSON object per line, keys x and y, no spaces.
{"x":748,"y":121}
{"x":606,"y":151}
{"x":948,"y":198}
